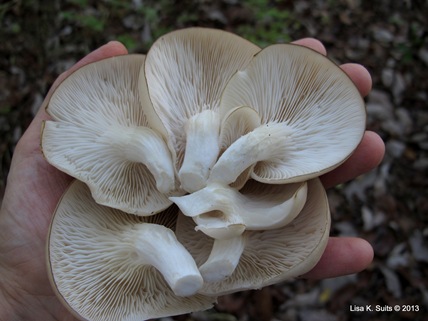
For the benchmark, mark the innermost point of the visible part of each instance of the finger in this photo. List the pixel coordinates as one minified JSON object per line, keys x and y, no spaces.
{"x":313,"y":44}
{"x":343,"y":255}
{"x":360,"y":77}
{"x":358,"y":74}
{"x":367,"y":156}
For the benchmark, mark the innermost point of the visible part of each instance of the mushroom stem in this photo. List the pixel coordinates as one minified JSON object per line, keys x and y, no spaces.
{"x":143,"y":145}
{"x":262,"y":207}
{"x":202,"y":149}
{"x":215,"y":209}
{"x":267,"y":142}
{"x":223,"y":259}
{"x":157,"y":245}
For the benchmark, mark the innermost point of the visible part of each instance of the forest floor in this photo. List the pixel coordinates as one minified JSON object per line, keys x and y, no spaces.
{"x":387,"y":206}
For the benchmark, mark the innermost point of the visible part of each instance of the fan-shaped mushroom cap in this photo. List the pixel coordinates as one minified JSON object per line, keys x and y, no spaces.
{"x":187,"y":71}
{"x":269,"y":256}
{"x":109,"y":265}
{"x":100,"y":135}
{"x":317,"y":104}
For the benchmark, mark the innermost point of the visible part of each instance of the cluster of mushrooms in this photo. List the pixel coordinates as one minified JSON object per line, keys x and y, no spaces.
{"x":196,"y":171}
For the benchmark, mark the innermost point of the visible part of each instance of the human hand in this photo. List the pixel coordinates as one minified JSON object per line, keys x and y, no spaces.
{"x":348,"y":255}
{"x":34,"y":188}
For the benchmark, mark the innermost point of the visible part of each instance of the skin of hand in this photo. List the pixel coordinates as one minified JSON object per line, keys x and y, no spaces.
{"x":34,"y":188}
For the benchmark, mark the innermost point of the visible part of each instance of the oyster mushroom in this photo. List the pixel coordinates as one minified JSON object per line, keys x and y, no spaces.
{"x":289,"y":97}
{"x":312,"y":117}
{"x":223,"y":212}
{"x":238,"y":122}
{"x":187,"y":71}
{"x":109,"y":265}
{"x":246,"y":131}
{"x":261,"y":258}
{"x":100,"y":134}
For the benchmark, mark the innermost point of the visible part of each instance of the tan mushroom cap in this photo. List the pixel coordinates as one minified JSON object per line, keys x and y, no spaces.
{"x":100,"y":134}
{"x":320,"y":110}
{"x":187,"y":71}
{"x":96,"y":266}
{"x":269,"y":256}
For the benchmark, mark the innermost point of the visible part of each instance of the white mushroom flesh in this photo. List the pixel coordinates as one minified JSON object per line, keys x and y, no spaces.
{"x":202,"y":149}
{"x":100,"y":135}
{"x":318,"y":102}
{"x":224,"y":214}
{"x":141,"y":145}
{"x":269,"y":142}
{"x":109,"y":265}
{"x":238,"y":122}
{"x":270,"y":256}
{"x":219,"y":210}
{"x":224,"y":258}
{"x":187,"y":71}
{"x":246,"y":132}
{"x":157,"y":246}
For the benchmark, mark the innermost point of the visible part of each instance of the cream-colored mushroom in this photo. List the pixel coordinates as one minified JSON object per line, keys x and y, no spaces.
{"x":108,"y":265}
{"x":312,"y":117}
{"x":223,"y":212}
{"x":104,"y":132}
{"x":223,"y":259}
{"x":265,"y":257}
{"x":187,"y":71}
{"x":245,"y":131}
{"x":268,"y":142}
{"x":236,"y":123}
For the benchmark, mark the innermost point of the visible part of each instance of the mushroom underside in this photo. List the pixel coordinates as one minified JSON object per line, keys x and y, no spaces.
{"x":103,"y":132}
{"x":99,"y":265}
{"x":246,"y":132}
{"x":269,"y":256}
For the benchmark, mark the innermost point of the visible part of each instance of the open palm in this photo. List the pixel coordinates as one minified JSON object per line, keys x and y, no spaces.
{"x":34,"y":188}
